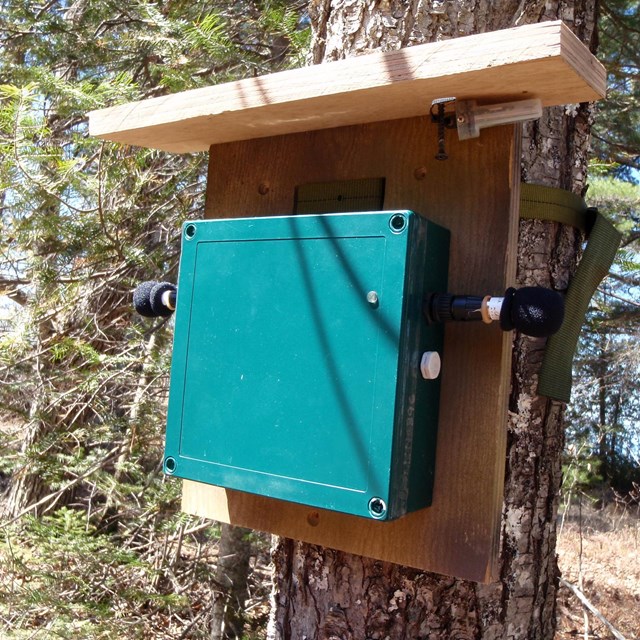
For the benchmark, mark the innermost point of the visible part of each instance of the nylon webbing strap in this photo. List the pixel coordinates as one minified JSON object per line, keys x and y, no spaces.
{"x":547,"y":203}
{"x":555,"y":205}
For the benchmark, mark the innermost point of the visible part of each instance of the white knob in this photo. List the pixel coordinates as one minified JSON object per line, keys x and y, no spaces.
{"x":430,"y":365}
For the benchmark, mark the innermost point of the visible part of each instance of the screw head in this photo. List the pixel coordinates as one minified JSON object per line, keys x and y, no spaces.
{"x":372,"y":298}
{"x":377,"y":508}
{"x":398,"y":223}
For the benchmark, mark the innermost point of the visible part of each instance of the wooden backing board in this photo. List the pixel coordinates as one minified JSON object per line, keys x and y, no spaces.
{"x":544,"y":60}
{"x":475,"y":194}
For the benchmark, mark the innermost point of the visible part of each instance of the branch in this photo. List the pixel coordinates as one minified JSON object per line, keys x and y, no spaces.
{"x":630,"y":239}
{"x":613,"y":295}
{"x":114,"y":241}
{"x":624,"y":25}
{"x":630,"y":280}
{"x":21,"y":166}
{"x":587,"y":605}
{"x":9,"y":288}
{"x":620,"y":152}
{"x":56,"y":494}
{"x":617,"y":319}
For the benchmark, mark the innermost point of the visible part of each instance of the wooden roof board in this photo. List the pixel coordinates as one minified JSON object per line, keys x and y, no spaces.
{"x":544,"y":60}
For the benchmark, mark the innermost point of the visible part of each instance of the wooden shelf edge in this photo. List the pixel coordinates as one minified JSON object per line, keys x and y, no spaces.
{"x":544,"y":60}
{"x":325,"y":528}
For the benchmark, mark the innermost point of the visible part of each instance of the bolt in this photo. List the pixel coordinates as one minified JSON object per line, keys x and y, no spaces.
{"x":372,"y":298}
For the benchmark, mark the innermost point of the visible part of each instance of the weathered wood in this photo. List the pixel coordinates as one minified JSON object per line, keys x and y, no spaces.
{"x":459,"y":534}
{"x":543,"y":61}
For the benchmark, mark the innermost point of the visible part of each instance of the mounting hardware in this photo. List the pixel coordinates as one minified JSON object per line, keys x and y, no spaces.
{"x":430,"y":365}
{"x":397,"y":223}
{"x":444,"y":121}
{"x":471,"y":117}
{"x":377,"y":508}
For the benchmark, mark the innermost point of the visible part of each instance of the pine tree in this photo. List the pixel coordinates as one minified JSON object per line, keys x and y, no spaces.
{"x":604,"y":411}
{"x":617,"y":127}
{"x":82,"y":223}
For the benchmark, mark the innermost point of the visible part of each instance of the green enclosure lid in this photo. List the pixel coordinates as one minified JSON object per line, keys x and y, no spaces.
{"x":287,"y":354}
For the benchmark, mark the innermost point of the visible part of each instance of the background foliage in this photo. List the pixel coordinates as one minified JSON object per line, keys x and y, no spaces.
{"x":92,"y":544}
{"x":603,"y":451}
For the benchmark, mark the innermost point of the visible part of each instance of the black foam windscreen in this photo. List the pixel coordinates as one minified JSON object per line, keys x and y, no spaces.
{"x":142,"y":299}
{"x":534,"y":311}
{"x":155,"y":298}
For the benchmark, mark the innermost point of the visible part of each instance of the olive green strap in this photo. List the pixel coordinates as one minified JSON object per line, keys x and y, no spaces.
{"x":547,"y":203}
{"x":555,"y":205}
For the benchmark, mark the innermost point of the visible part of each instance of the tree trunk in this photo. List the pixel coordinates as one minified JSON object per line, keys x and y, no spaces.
{"x":227,"y":615}
{"x":325,"y":594}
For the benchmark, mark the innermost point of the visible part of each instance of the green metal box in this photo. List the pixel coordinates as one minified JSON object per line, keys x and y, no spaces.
{"x":296,"y":362}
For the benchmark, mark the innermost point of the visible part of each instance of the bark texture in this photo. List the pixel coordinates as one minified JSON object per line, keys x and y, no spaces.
{"x":329,"y":595}
{"x":227,"y":615}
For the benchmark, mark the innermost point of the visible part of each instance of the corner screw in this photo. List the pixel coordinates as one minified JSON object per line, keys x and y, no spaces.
{"x":377,"y":508}
{"x":170,"y":465}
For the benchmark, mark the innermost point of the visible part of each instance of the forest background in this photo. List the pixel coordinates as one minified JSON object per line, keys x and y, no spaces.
{"x":92,"y":542}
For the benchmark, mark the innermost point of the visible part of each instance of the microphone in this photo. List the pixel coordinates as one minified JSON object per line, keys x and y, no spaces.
{"x":534,"y":311}
{"x":153,"y":299}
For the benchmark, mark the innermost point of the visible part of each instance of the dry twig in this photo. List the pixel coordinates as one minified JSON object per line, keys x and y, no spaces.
{"x":588,"y":605}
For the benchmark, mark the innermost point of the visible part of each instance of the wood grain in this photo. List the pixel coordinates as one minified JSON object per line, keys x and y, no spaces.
{"x":542,"y":60}
{"x":475,"y":194}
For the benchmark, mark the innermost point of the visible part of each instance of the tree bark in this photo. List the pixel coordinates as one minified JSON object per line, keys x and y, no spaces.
{"x":227,"y":615}
{"x":329,"y":595}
